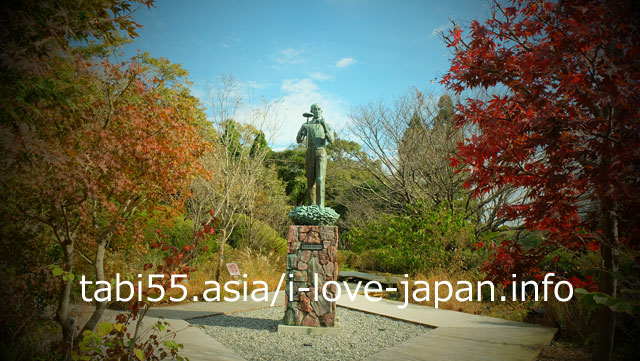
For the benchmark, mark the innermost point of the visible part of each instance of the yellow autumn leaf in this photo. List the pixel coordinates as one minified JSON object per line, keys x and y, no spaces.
{"x":104,"y":328}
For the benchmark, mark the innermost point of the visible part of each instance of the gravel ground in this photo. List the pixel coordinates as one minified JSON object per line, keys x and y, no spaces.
{"x":254,"y":335}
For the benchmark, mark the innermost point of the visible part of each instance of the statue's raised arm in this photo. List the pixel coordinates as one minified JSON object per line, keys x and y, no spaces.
{"x":330,"y":135}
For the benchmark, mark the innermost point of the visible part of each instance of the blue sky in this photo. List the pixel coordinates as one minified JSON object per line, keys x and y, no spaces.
{"x":340,"y":54}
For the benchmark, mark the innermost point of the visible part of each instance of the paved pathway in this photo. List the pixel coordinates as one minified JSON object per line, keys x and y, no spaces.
{"x":384,"y":280}
{"x":458,"y":336}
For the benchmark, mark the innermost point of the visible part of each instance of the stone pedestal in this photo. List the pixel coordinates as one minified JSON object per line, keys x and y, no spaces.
{"x":311,"y":262}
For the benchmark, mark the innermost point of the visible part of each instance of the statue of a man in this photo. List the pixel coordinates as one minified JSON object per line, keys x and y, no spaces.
{"x":318,"y":133}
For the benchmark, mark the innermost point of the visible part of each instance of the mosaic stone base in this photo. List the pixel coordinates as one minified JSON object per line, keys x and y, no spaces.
{"x":313,"y":253}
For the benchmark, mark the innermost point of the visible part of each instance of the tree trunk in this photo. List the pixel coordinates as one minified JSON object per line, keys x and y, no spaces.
{"x":62,"y":314}
{"x":100,"y":306}
{"x":606,"y":318}
{"x":221,"y":254}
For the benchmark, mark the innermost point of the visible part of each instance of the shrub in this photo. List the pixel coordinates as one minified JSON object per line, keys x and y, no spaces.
{"x":267,"y":267}
{"x":257,"y":235}
{"x":571,"y":318}
{"x":24,"y":333}
{"x":510,"y":310}
{"x":347,"y":259}
{"x":423,"y":239}
{"x":177,"y":233}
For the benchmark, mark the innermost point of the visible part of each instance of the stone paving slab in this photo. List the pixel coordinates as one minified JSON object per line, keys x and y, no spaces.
{"x":186,"y":311}
{"x":429,"y":316}
{"x":458,"y":336}
{"x":384,"y":280}
{"x":461,"y":343}
{"x":198,"y":346}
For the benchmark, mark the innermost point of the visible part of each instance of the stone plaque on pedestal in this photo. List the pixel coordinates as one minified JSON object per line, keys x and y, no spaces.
{"x":311,"y":262}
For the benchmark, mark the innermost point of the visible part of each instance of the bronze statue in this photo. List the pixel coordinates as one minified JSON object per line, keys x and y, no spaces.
{"x":318,"y":134}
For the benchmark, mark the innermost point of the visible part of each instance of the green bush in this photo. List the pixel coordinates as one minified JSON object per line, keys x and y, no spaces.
{"x":178,"y":233}
{"x":423,"y":239}
{"x":348,"y":259}
{"x":257,"y":236}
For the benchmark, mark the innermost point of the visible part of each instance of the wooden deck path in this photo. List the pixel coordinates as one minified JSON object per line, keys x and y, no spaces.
{"x":384,"y":280}
{"x":458,"y":336}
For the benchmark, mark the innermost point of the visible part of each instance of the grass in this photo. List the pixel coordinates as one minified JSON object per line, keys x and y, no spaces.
{"x":266,"y":267}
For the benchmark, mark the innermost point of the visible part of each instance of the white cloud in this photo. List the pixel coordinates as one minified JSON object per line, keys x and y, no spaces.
{"x":291,"y":52}
{"x":290,"y":56}
{"x":228,"y":42}
{"x":298,"y":95}
{"x":284,"y":116}
{"x":345,"y":62}
{"x":252,"y":84}
{"x":319,"y":76}
{"x":304,"y":86}
{"x":279,"y":148}
{"x":436,"y":31}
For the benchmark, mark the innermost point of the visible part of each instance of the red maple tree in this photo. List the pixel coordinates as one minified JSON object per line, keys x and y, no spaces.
{"x":97,"y":147}
{"x":87,"y":144}
{"x":565,"y":128}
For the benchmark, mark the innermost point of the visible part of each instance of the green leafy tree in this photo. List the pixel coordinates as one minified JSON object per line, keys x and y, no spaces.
{"x":422,"y":239}
{"x":34,"y":31}
{"x":259,"y":144}
{"x":290,"y":166}
{"x":86,"y":143}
